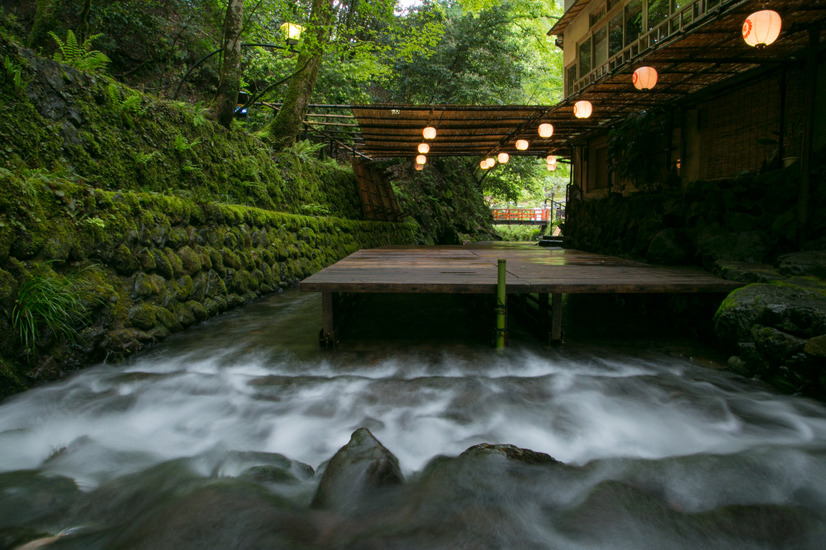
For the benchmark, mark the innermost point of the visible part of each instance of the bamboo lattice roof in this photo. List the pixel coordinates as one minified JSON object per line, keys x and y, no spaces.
{"x":690,"y":57}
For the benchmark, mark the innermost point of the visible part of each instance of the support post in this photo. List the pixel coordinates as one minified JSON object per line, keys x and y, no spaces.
{"x":556,"y":319}
{"x":501,"y":306}
{"x":327,"y":338}
{"x":803,"y":203}
{"x":544,"y":315}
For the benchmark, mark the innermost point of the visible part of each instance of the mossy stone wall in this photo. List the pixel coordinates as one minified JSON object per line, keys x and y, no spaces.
{"x":153,"y":264}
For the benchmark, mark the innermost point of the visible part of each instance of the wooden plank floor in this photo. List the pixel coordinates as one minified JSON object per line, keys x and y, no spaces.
{"x":473,"y":269}
{"x":530,"y":269}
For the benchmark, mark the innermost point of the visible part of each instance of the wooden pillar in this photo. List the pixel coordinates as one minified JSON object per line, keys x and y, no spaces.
{"x":803,"y":206}
{"x":327,"y":337}
{"x":556,"y":318}
{"x":544,"y":314}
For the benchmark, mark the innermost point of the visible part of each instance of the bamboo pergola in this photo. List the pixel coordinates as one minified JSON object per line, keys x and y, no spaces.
{"x":696,"y":50}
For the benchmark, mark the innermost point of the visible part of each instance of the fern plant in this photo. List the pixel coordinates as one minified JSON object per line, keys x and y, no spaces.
{"x":181,"y":144}
{"x":305,"y":151}
{"x":80,"y":56}
{"x":15,"y":73}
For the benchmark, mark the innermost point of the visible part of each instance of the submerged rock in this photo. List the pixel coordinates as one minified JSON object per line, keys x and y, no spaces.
{"x":358,"y":467}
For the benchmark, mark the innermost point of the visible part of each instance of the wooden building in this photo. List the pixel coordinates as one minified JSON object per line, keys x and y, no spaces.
{"x":720,"y":106}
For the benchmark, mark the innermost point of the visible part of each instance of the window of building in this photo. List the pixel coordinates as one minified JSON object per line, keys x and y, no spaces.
{"x":633,"y":21}
{"x":596,"y":16}
{"x":601,"y":46}
{"x":570,"y":78}
{"x":585,"y":65}
{"x":615,"y":35}
{"x":625,"y":24}
{"x":658,"y":11}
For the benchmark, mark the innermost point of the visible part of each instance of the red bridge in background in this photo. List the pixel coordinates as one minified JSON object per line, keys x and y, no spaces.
{"x":521,"y":216}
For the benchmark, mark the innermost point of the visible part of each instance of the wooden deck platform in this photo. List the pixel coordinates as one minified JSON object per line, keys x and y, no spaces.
{"x":473,"y":270}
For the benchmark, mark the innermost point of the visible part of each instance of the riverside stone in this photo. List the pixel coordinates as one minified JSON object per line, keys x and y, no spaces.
{"x":816,"y":346}
{"x":142,"y":316}
{"x":364,"y":464}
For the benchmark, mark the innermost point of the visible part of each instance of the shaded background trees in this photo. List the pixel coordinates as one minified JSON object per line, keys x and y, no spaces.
{"x":437,"y":51}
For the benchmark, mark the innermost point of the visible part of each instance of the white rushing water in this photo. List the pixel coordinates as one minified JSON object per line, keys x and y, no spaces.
{"x":253,"y":381}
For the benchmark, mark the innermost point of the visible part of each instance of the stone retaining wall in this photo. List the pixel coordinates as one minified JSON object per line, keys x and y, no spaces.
{"x":150,"y":265}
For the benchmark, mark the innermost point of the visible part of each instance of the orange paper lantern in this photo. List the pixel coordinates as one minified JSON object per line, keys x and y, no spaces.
{"x":503,"y":158}
{"x":424,"y":148}
{"x":421,"y":159}
{"x":522,"y":144}
{"x":545,"y":130}
{"x":762,"y":28}
{"x":429,"y":132}
{"x":583,"y":109}
{"x":645,"y":78}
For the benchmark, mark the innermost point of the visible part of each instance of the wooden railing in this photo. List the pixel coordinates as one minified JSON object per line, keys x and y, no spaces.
{"x":691,"y":14}
{"x":525,"y":216}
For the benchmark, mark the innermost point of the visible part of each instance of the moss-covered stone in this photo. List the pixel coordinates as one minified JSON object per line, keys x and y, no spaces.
{"x":144,"y":286}
{"x":816,"y":346}
{"x":184,"y":289}
{"x":174,"y":262}
{"x":146,"y":259}
{"x":162,"y":264}
{"x":167,"y":318}
{"x":190,"y":261}
{"x":178,"y":237}
{"x":198,"y":310}
{"x":124,"y":262}
{"x":8,"y":290}
{"x":142,"y":316}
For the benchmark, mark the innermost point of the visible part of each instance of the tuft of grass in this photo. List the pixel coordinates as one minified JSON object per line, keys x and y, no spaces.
{"x":49,"y":301}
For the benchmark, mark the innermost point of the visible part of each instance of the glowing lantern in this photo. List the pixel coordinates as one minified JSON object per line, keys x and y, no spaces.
{"x":424,"y":148}
{"x":551,"y":159}
{"x":483,"y":164}
{"x":429,"y":132}
{"x":645,"y":78}
{"x":491,"y":162}
{"x":583,"y":109}
{"x":545,"y":130}
{"x":293,"y":32}
{"x":762,"y":28}
{"x":503,"y":158}
{"x":419,"y":167}
{"x":522,"y":144}
{"x":421,"y":159}
{"x":551,"y":167}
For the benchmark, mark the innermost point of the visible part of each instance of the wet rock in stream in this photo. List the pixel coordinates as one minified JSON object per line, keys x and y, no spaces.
{"x":491,"y":496}
{"x":361,"y":465}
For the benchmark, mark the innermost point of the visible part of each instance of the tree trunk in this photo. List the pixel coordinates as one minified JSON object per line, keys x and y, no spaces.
{"x":83,"y":28}
{"x":226,"y":99}
{"x":46,"y":18}
{"x":286,"y":126}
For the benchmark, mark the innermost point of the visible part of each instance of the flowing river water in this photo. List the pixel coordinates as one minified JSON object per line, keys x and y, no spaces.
{"x":218,"y":438}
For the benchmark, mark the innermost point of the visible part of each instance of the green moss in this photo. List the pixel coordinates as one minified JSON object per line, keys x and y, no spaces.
{"x":142,"y":316}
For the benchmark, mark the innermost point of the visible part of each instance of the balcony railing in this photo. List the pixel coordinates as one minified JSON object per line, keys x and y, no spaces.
{"x":692,"y":14}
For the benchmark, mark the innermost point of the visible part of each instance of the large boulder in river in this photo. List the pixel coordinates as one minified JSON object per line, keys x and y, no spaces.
{"x":773,"y":329}
{"x":796,"y":306}
{"x":362,"y":465}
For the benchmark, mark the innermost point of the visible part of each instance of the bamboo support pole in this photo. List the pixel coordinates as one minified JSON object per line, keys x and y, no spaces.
{"x":501,"y":306}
